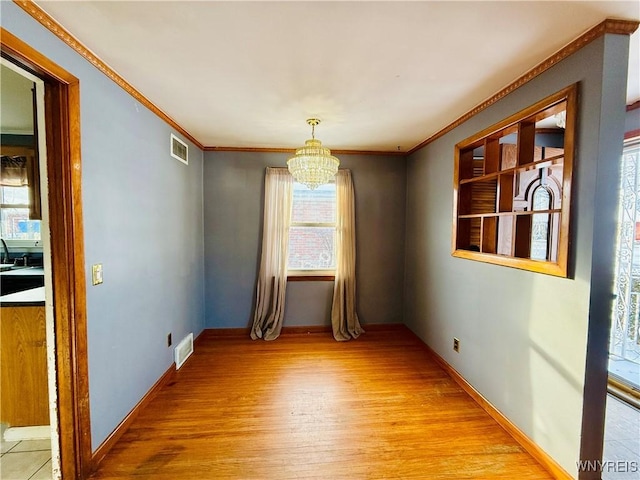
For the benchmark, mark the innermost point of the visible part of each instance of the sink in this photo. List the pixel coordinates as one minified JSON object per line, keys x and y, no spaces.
{"x":7,"y":267}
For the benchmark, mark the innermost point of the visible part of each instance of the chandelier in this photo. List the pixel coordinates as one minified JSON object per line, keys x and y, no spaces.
{"x":313,"y":164}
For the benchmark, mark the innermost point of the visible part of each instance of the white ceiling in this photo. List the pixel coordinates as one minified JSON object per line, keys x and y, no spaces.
{"x":381,"y":75}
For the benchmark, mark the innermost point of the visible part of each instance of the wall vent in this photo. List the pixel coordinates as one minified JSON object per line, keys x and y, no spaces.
{"x":184,"y":350}
{"x":179,"y":150}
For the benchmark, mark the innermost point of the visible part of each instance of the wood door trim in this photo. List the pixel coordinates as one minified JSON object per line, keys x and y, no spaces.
{"x":63,"y":34}
{"x":62,"y":125}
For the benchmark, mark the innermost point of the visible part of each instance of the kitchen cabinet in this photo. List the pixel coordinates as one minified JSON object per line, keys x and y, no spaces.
{"x":24,"y":392}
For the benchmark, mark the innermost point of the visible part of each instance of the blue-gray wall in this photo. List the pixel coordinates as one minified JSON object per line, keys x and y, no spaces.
{"x":143,"y":220}
{"x":524,"y":336}
{"x":233,"y":197}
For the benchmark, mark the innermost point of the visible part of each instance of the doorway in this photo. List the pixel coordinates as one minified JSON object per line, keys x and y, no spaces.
{"x":64,"y":201}
{"x":622,"y":418}
{"x":624,"y":344}
{"x":29,"y":424}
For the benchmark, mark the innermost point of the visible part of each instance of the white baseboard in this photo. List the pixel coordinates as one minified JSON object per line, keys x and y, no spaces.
{"x":17,"y":434}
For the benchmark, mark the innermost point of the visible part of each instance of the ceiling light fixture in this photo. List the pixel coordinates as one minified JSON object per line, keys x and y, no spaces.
{"x":313,"y":164}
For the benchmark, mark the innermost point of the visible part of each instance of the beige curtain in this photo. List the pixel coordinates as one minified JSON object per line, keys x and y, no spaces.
{"x":272,"y":278}
{"x":22,"y":171}
{"x":344,"y":318}
{"x":14,"y":171}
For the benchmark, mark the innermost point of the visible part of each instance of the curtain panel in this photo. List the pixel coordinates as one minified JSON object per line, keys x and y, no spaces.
{"x":23,"y":171}
{"x":14,"y":171}
{"x":344,"y":318}
{"x":272,"y":278}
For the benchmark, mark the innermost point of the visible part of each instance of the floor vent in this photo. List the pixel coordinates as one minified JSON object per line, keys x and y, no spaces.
{"x":184,"y":350}
{"x":179,"y":150}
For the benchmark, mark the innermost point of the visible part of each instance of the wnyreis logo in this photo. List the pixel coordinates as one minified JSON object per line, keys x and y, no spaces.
{"x":608,"y":466}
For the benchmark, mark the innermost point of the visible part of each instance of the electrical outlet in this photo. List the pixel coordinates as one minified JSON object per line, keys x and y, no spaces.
{"x":169,"y":340}
{"x":456,"y":344}
{"x":96,"y":274}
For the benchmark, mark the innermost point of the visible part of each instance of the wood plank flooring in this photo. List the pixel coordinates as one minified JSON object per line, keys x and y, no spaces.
{"x":308,"y":407}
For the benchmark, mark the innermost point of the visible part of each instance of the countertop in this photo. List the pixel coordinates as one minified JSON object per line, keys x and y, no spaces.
{"x":27,"y":298}
{"x":23,"y":271}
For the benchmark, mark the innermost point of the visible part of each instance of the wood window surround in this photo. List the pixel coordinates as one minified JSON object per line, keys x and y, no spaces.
{"x":512,"y":188}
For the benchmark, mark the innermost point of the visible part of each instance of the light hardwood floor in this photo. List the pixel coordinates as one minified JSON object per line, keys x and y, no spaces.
{"x":308,"y":407}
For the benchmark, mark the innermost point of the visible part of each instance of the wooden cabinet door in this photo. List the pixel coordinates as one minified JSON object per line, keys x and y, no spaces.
{"x":24,"y":392}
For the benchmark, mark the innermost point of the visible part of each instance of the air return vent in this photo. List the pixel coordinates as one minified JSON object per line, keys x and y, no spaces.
{"x":184,"y":350}
{"x":179,"y":150}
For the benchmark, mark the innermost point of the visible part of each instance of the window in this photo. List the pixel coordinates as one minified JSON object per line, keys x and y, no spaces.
{"x":540,"y":225}
{"x":14,"y":216}
{"x":312,"y":236}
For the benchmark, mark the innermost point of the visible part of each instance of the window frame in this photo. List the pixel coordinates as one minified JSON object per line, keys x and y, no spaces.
{"x":22,"y":244}
{"x":313,"y":274}
{"x":26,"y":150}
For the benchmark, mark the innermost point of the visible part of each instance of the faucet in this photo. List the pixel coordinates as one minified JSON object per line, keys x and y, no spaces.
{"x":6,"y":251}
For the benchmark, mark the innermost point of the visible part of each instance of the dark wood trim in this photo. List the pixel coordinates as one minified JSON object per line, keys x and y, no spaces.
{"x":293,"y":150}
{"x":294,"y":330}
{"x":634,"y":106}
{"x":529,"y":445}
{"x":310,"y":278}
{"x":620,"y":27}
{"x":632,"y":134}
{"x":249,"y":149}
{"x":223,"y":332}
{"x":124,"y":425}
{"x":62,"y":126}
{"x":63,"y":34}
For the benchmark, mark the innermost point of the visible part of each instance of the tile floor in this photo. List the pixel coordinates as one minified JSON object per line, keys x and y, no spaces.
{"x":25,"y":460}
{"x":621,"y":441}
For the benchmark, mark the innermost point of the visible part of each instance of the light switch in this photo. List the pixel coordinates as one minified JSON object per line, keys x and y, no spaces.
{"x":96,"y":274}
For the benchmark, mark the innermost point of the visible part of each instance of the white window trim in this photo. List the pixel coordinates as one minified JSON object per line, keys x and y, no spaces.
{"x":313,"y":272}
{"x":24,"y":245}
{"x":301,"y":272}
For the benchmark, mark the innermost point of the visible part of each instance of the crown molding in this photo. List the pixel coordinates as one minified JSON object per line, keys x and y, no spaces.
{"x":612,"y":26}
{"x":47,"y":21}
{"x":293,"y":150}
{"x":619,"y":27}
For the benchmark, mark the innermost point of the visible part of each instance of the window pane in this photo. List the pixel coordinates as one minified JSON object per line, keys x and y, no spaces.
{"x":312,"y":248}
{"x":14,"y":195}
{"x":314,"y":206}
{"x":17,"y":226}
